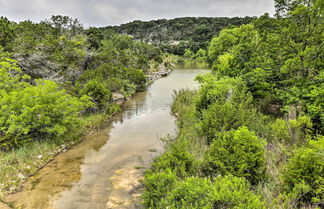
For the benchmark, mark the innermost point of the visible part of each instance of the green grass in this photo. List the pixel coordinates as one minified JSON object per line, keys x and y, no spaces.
{"x":153,"y":150}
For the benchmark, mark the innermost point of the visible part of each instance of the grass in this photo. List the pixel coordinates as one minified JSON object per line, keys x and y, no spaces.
{"x":153,"y":150}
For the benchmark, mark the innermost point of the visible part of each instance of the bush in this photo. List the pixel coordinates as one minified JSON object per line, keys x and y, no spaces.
{"x":225,"y":117}
{"x":98,"y":91}
{"x":157,"y":185}
{"x":137,"y":77}
{"x":305,"y":169}
{"x":37,"y":112}
{"x":212,"y":91}
{"x":192,"y":193}
{"x":177,"y":158}
{"x":279,"y":131}
{"x":202,"y":193}
{"x":238,"y":152}
{"x":30,"y":112}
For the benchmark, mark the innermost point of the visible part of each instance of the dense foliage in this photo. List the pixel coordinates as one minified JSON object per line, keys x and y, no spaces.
{"x":258,"y":117}
{"x":197,"y":193}
{"x":303,"y":175}
{"x":238,"y":152}
{"x":180,"y":34}
{"x":54,"y":71}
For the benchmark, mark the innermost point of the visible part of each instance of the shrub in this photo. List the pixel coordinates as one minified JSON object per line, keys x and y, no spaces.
{"x":212,"y":91}
{"x":37,"y":112}
{"x":30,"y":112}
{"x":238,"y":152}
{"x":98,"y":91}
{"x":157,"y":185}
{"x":202,"y":193}
{"x":192,"y":193}
{"x":279,"y":131}
{"x":136,"y":76}
{"x":177,"y":158}
{"x":224,"y":117}
{"x":305,"y":169}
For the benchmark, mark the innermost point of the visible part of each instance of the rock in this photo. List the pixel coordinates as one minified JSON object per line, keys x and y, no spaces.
{"x":117,"y":97}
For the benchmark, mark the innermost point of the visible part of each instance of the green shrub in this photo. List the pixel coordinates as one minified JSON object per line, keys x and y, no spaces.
{"x":157,"y":185}
{"x":279,"y":131}
{"x":37,"y":112}
{"x":192,"y":193}
{"x":177,"y":158}
{"x":98,"y":91}
{"x":202,"y":193}
{"x":212,"y":91}
{"x":238,"y":152}
{"x":136,"y":76}
{"x":305,"y":169}
{"x":224,"y":117}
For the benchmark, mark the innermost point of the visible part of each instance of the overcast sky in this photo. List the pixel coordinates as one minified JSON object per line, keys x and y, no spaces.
{"x":115,"y":12}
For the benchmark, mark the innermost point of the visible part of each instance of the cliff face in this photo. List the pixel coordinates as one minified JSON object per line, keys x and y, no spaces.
{"x":175,"y":35}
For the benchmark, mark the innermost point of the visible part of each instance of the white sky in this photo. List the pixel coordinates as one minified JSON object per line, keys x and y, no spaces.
{"x":115,"y":12}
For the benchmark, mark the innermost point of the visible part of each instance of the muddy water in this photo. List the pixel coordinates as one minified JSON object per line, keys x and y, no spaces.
{"x":104,"y":170}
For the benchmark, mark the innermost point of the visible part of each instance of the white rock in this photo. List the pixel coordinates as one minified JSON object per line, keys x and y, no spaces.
{"x":21,"y":176}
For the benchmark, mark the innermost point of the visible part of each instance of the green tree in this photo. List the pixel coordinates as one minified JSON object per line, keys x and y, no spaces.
{"x":7,"y":33}
{"x":38,"y":112}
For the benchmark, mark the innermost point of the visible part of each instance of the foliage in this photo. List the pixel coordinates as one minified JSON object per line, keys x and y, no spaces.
{"x":305,"y":170}
{"x":175,"y":35}
{"x":35,"y":112}
{"x":157,"y":185}
{"x":98,"y":92}
{"x":221,"y":91}
{"x":223,"y":192}
{"x":177,"y":159}
{"x":7,"y":34}
{"x":280,"y":56}
{"x":239,"y":152}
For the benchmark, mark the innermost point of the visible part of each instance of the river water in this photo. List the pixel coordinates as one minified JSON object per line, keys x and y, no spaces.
{"x":105,"y":169}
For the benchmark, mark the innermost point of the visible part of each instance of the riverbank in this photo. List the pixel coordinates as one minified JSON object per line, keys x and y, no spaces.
{"x":104,"y":170}
{"x":18,"y":165}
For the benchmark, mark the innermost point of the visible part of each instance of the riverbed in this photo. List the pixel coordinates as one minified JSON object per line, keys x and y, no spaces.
{"x":104,"y":171}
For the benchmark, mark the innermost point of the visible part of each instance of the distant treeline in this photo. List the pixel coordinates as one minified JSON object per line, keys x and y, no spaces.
{"x":176,"y":35}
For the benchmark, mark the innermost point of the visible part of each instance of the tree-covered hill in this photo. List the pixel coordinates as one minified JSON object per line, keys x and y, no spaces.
{"x":175,"y":35}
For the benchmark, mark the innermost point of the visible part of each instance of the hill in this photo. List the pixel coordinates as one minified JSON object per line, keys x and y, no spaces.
{"x":175,"y":35}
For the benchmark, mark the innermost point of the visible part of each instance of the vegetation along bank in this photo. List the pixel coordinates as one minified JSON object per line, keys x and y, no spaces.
{"x":59,"y":81}
{"x":252,"y":136}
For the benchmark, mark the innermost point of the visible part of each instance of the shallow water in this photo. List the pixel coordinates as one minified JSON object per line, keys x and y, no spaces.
{"x":104,"y":170}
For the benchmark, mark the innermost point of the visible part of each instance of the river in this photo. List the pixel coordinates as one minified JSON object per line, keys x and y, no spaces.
{"x":104,"y":170}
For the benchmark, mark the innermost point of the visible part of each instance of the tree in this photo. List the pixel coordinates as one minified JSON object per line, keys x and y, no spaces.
{"x":7,"y":33}
{"x":30,"y":112}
